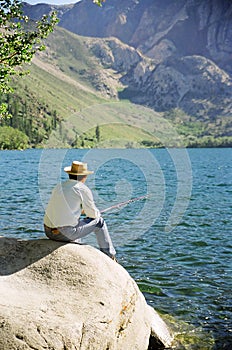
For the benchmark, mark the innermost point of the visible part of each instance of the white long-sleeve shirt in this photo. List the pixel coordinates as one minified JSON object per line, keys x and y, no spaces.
{"x":66,"y":203}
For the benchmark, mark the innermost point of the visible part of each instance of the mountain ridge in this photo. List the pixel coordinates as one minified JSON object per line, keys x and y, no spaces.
{"x":192,"y":27}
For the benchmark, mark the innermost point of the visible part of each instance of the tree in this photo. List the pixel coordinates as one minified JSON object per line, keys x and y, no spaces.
{"x":98,"y":2}
{"x":97,"y":132}
{"x":11,"y":138}
{"x":19,"y":40}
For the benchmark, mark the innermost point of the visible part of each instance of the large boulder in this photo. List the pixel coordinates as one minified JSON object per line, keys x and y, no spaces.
{"x":70,"y":296}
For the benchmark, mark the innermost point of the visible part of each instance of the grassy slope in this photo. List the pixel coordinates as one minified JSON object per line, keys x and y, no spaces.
{"x":57,"y":80}
{"x":63,"y":79}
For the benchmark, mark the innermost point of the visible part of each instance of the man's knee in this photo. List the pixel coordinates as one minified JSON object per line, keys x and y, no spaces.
{"x":100,"y":222}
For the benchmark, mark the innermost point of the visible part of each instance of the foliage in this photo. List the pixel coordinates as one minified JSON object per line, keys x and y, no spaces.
{"x":210,"y":142}
{"x":11,"y":138}
{"x":19,"y":40}
{"x":3,"y":109}
{"x":97,"y":132}
{"x":151,"y":144}
{"x":98,"y":2}
{"x":30,"y":115}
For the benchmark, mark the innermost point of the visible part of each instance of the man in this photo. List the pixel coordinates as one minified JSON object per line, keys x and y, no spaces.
{"x":68,"y":201}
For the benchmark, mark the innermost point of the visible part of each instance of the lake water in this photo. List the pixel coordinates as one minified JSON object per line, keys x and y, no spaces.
{"x":176,"y":244}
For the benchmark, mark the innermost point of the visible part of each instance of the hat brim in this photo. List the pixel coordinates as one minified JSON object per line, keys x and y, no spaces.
{"x":68,"y":170}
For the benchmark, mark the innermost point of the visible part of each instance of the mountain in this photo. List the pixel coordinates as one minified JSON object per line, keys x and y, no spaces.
{"x":174,"y":54}
{"x":64,"y":100}
{"x":158,"y":28}
{"x":135,"y":65}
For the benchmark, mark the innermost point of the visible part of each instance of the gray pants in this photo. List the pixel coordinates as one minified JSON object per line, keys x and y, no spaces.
{"x":82,"y":229}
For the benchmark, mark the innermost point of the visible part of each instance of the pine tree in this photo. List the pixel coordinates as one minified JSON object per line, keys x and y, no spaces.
{"x":97,"y":132}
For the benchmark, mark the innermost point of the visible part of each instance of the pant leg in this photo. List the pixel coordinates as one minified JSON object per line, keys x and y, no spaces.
{"x":84,"y":228}
{"x":104,"y":240}
{"x":99,"y":227}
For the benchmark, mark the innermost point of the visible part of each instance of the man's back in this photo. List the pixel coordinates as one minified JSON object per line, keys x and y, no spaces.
{"x":64,"y":207}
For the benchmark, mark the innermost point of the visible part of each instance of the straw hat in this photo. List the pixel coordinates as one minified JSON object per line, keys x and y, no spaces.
{"x":78,"y":168}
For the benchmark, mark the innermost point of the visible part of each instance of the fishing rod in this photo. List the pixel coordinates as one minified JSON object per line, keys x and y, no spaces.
{"x":119,"y":205}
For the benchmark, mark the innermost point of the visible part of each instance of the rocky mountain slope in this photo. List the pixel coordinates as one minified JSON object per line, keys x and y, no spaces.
{"x":169,"y":54}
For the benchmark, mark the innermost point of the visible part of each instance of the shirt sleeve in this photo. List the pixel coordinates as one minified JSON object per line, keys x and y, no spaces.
{"x":88,"y":204}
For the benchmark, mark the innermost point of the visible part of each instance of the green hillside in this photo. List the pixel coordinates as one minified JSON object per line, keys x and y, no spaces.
{"x":59,"y":105}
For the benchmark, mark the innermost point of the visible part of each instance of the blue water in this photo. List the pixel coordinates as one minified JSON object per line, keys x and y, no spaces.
{"x":176,"y":244}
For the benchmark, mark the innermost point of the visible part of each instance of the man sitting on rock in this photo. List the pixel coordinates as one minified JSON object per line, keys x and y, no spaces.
{"x":68,"y":201}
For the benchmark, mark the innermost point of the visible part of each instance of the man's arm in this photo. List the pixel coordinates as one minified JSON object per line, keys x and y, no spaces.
{"x":88,"y":205}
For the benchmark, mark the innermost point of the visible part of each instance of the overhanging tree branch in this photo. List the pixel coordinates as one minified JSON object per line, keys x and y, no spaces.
{"x":20,"y":39}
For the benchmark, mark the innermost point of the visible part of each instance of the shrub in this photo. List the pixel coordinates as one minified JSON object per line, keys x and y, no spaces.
{"x":11,"y":138}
